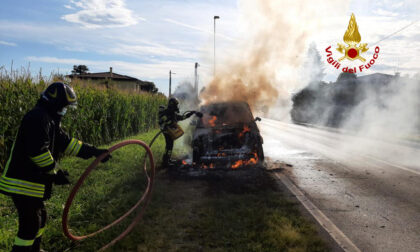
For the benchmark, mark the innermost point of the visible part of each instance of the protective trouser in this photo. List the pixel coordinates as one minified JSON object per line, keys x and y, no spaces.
{"x":168,"y":150}
{"x":32,"y":220}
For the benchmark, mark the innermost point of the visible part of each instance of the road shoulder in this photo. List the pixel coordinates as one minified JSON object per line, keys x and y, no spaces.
{"x":276,"y":170}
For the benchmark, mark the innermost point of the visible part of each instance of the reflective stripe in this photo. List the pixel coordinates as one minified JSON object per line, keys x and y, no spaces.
{"x":74,"y":147}
{"x":77,"y":149}
{"x":41,"y":157}
{"x":17,"y":186}
{"x":22,"y":242}
{"x":22,"y":183}
{"x":45,"y":159}
{"x":22,"y":187}
{"x":40,"y":232}
{"x":22,"y":191}
{"x":46,"y":163}
{"x":70,"y":146}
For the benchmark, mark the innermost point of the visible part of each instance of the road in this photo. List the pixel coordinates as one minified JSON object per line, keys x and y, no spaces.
{"x":370,"y":189}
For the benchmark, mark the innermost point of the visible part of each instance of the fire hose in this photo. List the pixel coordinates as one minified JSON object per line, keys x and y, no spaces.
{"x":145,"y":197}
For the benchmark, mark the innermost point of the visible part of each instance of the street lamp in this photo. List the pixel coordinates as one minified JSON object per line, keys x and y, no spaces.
{"x":196,"y":78}
{"x":214,"y":26}
{"x":170,"y":82}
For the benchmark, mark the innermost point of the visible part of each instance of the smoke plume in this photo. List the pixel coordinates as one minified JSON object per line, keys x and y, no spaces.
{"x":389,"y":114}
{"x":264,"y":63}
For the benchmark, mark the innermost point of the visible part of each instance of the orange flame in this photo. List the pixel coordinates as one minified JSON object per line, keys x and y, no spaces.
{"x":251,"y":161}
{"x":245,"y":130}
{"x":237,"y":164}
{"x":212,"y":121}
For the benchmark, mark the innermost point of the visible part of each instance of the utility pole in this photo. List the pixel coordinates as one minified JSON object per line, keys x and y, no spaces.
{"x":196,"y":79}
{"x":170,"y":82}
{"x":214,"y":43}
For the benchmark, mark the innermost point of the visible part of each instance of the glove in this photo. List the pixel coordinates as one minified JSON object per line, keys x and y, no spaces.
{"x":199,"y":114}
{"x":189,"y":114}
{"x":61,"y":178}
{"x":98,"y":152}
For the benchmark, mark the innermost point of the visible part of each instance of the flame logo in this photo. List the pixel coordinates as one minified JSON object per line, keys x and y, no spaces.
{"x":352,"y":38}
{"x":352,"y":35}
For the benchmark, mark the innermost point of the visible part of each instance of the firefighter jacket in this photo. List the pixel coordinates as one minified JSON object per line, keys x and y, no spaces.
{"x":168,"y":116}
{"x":39,"y":143}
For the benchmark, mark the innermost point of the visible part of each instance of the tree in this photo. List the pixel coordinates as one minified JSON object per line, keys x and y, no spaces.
{"x":80,"y":69}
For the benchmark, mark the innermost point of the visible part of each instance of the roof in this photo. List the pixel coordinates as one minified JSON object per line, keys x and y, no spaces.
{"x":376,"y":77}
{"x":104,"y":75}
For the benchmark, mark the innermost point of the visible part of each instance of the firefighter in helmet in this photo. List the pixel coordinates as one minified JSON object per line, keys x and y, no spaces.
{"x":168,"y":122}
{"x":30,"y":170}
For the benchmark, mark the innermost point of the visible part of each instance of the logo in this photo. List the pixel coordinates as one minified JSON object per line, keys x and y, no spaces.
{"x":352,"y":38}
{"x":53,"y":95}
{"x":352,"y":51}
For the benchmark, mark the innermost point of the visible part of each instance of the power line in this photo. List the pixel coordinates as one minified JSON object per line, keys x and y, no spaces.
{"x":392,"y":34}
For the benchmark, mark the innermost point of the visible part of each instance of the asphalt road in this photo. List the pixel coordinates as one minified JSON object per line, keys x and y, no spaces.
{"x":370,"y":189}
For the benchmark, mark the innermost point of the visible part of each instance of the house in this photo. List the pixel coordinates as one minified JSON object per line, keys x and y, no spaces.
{"x":122,"y":82}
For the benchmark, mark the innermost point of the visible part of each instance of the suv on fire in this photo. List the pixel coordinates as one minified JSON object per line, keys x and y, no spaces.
{"x":226,"y":136}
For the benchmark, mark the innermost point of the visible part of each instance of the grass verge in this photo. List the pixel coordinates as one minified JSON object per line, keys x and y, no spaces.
{"x":234,"y":211}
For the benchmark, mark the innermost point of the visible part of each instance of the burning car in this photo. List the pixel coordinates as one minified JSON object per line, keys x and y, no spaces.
{"x":226,"y":136}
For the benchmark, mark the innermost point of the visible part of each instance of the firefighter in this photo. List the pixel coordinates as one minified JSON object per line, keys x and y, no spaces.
{"x":168,"y":122}
{"x":30,"y":170}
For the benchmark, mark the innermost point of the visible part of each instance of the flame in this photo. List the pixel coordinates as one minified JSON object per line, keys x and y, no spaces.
{"x":212,"y":121}
{"x":251,"y":161}
{"x":352,"y":35}
{"x":245,"y":130}
{"x":237,"y":164}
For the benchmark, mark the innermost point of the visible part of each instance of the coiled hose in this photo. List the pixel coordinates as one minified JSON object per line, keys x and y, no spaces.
{"x":145,"y":197}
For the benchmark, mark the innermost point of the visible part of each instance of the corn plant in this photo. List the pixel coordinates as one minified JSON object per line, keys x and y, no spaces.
{"x":103,"y":115}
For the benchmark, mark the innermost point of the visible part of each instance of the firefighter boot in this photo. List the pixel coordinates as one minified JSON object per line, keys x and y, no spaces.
{"x":165,"y":161}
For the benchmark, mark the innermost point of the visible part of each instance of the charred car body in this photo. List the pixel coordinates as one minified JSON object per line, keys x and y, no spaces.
{"x":227,"y":137}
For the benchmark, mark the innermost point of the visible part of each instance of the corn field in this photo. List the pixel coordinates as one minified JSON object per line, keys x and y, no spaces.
{"x":102,"y":115}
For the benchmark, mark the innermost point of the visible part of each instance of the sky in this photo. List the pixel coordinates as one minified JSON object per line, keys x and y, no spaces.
{"x":148,"y":38}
